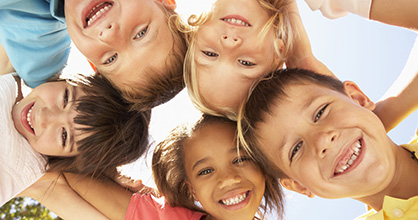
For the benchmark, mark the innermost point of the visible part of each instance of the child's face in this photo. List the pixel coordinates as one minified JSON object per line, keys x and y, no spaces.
{"x":45,"y":118}
{"x":122,"y":39}
{"x":229,"y":54}
{"x":327,"y":143}
{"x":227,"y":186}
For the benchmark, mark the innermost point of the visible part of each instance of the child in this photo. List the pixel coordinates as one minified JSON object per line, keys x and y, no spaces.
{"x":88,"y":129}
{"x":199,"y":164}
{"x":145,"y":53}
{"x":236,"y":45}
{"x":322,"y":138}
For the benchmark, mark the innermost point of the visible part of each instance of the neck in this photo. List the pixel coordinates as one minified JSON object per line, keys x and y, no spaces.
{"x":403,"y":184}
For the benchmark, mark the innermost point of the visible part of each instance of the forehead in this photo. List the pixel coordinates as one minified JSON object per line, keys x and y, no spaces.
{"x":299,"y":102}
{"x":210,"y":140}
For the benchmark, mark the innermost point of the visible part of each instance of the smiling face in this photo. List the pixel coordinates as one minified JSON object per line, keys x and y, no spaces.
{"x":45,"y":118}
{"x":229,"y":53}
{"x":122,"y":38}
{"x":228,"y":186}
{"x":328,"y":143}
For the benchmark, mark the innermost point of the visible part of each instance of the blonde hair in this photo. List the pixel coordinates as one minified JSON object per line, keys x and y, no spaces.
{"x":279,"y":20}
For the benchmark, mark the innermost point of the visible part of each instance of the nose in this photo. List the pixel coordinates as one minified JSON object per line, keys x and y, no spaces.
{"x":230,"y":40}
{"x":228,"y":177}
{"x":110,"y":34}
{"x":324,"y":140}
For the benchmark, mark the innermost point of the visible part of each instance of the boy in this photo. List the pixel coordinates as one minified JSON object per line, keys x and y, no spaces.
{"x":88,"y":129}
{"x":320,"y":137}
{"x":134,"y":50}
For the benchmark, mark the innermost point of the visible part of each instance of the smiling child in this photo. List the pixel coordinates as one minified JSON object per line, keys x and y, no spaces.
{"x":198,"y":164}
{"x":323,"y":139}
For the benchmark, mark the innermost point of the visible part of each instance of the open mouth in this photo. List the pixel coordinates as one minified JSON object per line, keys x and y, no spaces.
{"x":97,"y":12}
{"x":235,"y":199}
{"x":27,"y":118}
{"x":236,"y":20}
{"x":351,"y":156}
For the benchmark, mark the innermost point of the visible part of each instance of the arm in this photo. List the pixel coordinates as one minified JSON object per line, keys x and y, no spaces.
{"x":5,"y":65}
{"x":107,"y":196}
{"x":301,"y":55}
{"x":402,"y":98}
{"x":53,"y":192}
{"x":400,"y":13}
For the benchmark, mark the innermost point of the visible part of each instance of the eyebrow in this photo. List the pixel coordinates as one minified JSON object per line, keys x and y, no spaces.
{"x":199,"y":162}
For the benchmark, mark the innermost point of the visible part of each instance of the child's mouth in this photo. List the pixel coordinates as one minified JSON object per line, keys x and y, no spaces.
{"x":349,"y":159}
{"x":236,"y":20}
{"x":96,"y":12}
{"x":26,"y":118}
{"x":235,"y":199}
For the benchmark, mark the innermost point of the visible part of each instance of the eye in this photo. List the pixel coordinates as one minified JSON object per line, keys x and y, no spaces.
{"x":241,"y":160}
{"x":246,"y":63}
{"x":210,"y":54}
{"x":65,"y":99}
{"x":141,"y":33}
{"x":64,"y":137}
{"x":320,"y":112}
{"x":295,"y":150}
{"x":111,"y":59}
{"x":205,"y":172}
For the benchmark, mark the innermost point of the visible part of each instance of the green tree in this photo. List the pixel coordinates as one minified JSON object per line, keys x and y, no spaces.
{"x":25,"y":208}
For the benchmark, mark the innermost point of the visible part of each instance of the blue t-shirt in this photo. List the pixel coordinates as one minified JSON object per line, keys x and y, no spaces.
{"x":35,"y":37}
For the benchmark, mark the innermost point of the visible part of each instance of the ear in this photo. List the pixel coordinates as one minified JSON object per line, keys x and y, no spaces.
{"x":169,"y":3}
{"x":278,"y":46}
{"x":294,"y":185}
{"x":355,"y":93}
{"x":191,"y":190}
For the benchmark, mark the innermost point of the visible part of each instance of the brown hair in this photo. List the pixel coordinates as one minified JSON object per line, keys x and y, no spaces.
{"x":261,"y":101}
{"x":170,"y":175}
{"x":115,"y":134}
{"x":162,"y":86}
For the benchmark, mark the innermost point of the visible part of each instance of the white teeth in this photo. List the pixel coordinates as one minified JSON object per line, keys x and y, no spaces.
{"x":28,"y":117}
{"x":236,"y":21}
{"x":235,"y":200}
{"x":98,"y":13}
{"x":357,"y":149}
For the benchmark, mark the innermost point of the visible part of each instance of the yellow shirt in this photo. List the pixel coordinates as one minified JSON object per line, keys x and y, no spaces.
{"x":394,"y":208}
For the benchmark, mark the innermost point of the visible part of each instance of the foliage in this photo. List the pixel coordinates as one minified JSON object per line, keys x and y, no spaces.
{"x":25,"y":208}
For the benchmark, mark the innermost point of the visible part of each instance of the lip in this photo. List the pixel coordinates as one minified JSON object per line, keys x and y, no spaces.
{"x":344,"y":154}
{"x":239,"y":205}
{"x":24,"y":120}
{"x":86,"y":11}
{"x":239,"y":17}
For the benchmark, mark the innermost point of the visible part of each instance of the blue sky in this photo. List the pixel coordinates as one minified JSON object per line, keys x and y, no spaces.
{"x":366,"y":52}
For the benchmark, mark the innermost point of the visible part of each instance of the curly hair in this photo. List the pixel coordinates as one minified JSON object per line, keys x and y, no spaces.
{"x":170,"y":175}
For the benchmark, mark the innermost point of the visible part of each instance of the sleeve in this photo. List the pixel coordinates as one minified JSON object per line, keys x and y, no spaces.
{"x":339,"y":8}
{"x":20,"y":165}
{"x":147,"y":207}
{"x":36,"y":42}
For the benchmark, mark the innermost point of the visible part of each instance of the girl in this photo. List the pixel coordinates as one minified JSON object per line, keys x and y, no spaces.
{"x":236,"y":45}
{"x":199,"y":164}
{"x":88,"y":129}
